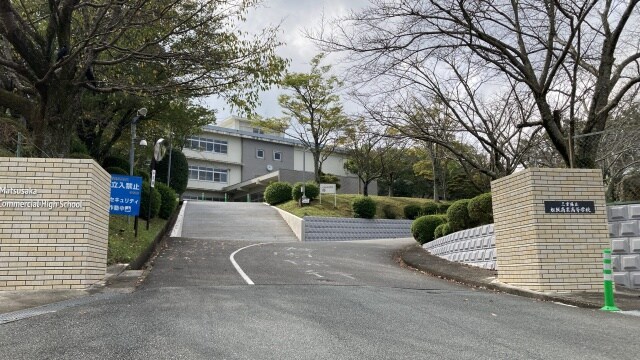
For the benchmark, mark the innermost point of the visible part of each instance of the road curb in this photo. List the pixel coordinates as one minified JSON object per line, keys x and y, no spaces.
{"x":417,"y":258}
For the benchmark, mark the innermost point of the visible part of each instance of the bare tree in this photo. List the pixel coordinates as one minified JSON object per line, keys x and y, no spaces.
{"x":52,"y":52}
{"x":575,"y":58}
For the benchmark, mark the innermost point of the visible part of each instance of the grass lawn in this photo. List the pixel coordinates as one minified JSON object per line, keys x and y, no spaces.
{"x":343,"y":208}
{"x":123,"y":246}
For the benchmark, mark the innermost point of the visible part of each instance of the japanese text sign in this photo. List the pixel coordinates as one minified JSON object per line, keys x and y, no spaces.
{"x":126,"y":192}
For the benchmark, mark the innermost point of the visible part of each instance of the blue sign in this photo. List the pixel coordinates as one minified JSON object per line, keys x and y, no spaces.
{"x":126,"y":192}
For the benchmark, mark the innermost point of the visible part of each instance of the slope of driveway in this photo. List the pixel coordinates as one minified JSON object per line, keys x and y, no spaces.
{"x":234,"y":221}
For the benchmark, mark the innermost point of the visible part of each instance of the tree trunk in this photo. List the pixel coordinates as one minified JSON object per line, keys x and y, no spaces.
{"x":53,"y":125}
{"x":365,"y":188}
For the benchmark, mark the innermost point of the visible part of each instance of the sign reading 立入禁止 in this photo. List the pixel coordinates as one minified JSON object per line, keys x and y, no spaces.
{"x":569,"y":207}
{"x":126,"y":193}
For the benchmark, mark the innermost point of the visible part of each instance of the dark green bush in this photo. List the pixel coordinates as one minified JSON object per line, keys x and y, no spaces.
{"x":430,"y":208}
{"x":116,"y":161}
{"x":629,"y":188}
{"x":116,"y":171}
{"x":423,"y":228}
{"x":168,"y":200}
{"x":441,"y":230}
{"x":144,"y":201}
{"x":311,"y":190}
{"x":389,"y":212}
{"x":443,"y":207}
{"x":330,"y":179}
{"x":77,"y":155}
{"x":277,"y":193}
{"x":458,"y":215}
{"x":364,"y":207}
{"x":179,"y":171}
{"x":412,"y":211}
{"x":481,"y":210}
{"x":143,"y":174}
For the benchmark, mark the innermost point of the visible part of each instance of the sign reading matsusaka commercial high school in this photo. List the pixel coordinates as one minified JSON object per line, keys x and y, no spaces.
{"x":125,"y":195}
{"x":569,"y":207}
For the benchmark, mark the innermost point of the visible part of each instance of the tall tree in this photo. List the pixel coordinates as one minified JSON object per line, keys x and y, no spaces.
{"x":578,"y":60}
{"x":53,"y":52}
{"x":313,"y":112}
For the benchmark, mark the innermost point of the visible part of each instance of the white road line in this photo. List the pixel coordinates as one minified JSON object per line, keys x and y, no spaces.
{"x":235,"y":264}
{"x":177,"y":227}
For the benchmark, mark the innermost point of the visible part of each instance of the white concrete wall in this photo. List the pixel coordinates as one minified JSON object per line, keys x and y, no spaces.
{"x":295,"y":223}
{"x":333,"y":165}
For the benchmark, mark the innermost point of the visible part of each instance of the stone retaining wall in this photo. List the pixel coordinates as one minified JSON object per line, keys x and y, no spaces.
{"x":475,"y":247}
{"x":624,"y":230}
{"x":344,"y":229}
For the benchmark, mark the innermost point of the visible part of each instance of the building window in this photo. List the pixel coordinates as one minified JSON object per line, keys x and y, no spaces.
{"x":207,"y":144}
{"x":260,"y":154}
{"x":277,"y":155}
{"x":203,"y":173}
{"x":258,"y":131}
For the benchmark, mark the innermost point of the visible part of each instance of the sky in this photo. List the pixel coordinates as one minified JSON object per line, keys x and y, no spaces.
{"x":294,"y":17}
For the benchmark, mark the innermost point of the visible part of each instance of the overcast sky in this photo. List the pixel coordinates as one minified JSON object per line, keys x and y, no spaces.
{"x":294,"y":16}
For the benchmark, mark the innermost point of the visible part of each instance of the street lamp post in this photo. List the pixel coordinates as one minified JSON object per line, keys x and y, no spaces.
{"x":158,"y":154}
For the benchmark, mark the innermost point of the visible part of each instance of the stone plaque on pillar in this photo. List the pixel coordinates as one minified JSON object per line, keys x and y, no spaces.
{"x":551,"y":228}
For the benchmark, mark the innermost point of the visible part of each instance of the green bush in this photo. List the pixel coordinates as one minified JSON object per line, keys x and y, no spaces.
{"x":311,"y":190}
{"x":168,"y":200}
{"x":412,"y":211}
{"x":364,"y":207}
{"x":77,"y":155}
{"x":144,"y":201}
{"x":458,"y":215}
{"x":481,"y":210}
{"x":116,"y":161}
{"x":629,"y":188}
{"x":443,"y":207}
{"x":143,"y":174}
{"x":116,"y":171}
{"x":179,"y":170}
{"x":389,"y":212}
{"x":441,"y":230}
{"x":430,"y":208}
{"x":330,"y":179}
{"x":277,"y":192}
{"x":423,"y":228}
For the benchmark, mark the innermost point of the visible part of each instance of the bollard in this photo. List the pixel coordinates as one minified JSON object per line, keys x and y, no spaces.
{"x":609,"y":303}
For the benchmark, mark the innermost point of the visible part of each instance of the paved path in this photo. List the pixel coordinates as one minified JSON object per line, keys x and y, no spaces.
{"x":343,"y":300}
{"x":234,"y":221}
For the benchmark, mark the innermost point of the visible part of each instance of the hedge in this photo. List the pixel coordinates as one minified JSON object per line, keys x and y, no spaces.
{"x":458,"y":215}
{"x":115,"y":161}
{"x":169,"y":200}
{"x":412,"y":211}
{"x":114,"y":170}
{"x":179,"y":170}
{"x":430,"y":208}
{"x":277,"y":193}
{"x":442,"y":230}
{"x":311,"y":190}
{"x":423,"y":228}
{"x":364,"y":207}
{"x":144,"y":201}
{"x":481,"y":210}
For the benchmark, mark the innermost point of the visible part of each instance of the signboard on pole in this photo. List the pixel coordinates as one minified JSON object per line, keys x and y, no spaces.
{"x":126,"y":192}
{"x":328,"y":189}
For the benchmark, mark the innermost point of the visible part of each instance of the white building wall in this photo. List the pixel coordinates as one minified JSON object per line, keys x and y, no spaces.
{"x":334,"y":164}
{"x":234,"y":177}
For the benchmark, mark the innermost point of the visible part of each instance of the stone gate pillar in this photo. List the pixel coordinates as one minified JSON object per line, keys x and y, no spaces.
{"x":54,"y":223}
{"x":551,"y":228}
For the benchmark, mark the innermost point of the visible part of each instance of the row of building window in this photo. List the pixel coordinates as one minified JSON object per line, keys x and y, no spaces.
{"x":277,"y":155}
{"x":207,"y":144}
{"x":204,"y":173}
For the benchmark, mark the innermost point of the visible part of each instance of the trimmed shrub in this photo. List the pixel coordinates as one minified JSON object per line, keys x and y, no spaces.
{"x":179,"y":170}
{"x":443,"y":207}
{"x":423,"y":228}
{"x":143,"y":174}
{"x":311,"y":190}
{"x":629,"y":188}
{"x":389,"y":212}
{"x":430,"y":208}
{"x":116,"y":171}
{"x":277,"y":193}
{"x":364,"y":207}
{"x":481,"y":210}
{"x":441,"y":230}
{"x":115,"y":161}
{"x":168,"y":200}
{"x":330,"y":179}
{"x":144,"y":201}
{"x":412,"y":211}
{"x":458,"y":215}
